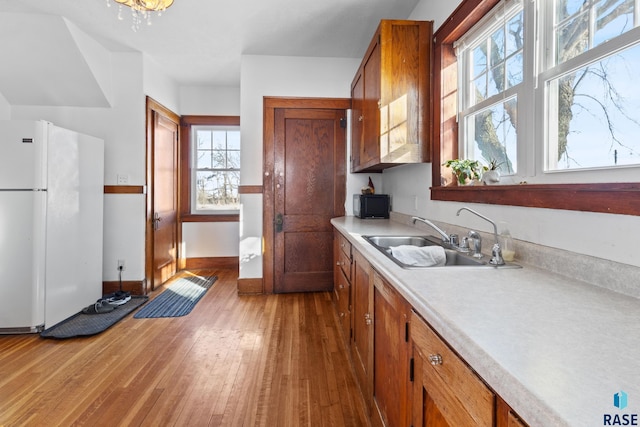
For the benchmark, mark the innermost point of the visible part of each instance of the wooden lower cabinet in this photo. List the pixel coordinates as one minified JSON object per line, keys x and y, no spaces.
{"x":392,"y":385}
{"x":506,"y":417}
{"x":362,"y":324}
{"x":342,"y":283}
{"x":407,"y":374}
{"x":446,"y":392}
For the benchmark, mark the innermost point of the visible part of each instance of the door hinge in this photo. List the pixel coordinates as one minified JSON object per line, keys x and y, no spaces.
{"x":343,"y":123}
{"x":411,"y":369}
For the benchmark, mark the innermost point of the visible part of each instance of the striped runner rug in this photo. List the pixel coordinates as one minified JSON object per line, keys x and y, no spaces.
{"x":178,"y":299}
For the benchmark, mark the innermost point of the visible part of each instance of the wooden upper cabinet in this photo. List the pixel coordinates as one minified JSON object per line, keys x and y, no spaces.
{"x":390,"y":93}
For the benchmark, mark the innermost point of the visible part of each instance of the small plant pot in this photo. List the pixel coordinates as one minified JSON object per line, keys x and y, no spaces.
{"x":491,"y":177}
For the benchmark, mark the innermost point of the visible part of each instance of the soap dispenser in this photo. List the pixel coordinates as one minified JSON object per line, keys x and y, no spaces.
{"x":506,"y":242}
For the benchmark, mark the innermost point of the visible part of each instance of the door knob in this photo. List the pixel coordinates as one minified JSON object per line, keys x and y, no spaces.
{"x":278,"y":222}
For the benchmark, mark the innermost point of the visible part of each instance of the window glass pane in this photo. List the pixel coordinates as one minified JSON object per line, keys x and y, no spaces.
{"x":233,"y":159}
{"x":514,"y":70}
{"x":219,"y":159}
{"x":593,"y":114}
{"x":479,"y":61}
{"x":233,"y":140}
{"x":479,"y":89}
{"x":220,"y":140}
{"x":491,"y":135}
{"x":217,"y":190}
{"x":204,"y":159}
{"x":497,"y":47}
{"x":496,"y":81}
{"x":581,"y":25}
{"x":204,"y":139}
{"x":612,"y":19}
{"x":515,"y":34}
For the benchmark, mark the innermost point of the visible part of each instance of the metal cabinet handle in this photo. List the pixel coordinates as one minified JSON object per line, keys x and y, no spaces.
{"x":435,"y":359}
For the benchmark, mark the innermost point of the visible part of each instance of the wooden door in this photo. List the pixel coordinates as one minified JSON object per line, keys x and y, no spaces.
{"x":162,"y":233}
{"x":309,"y":190}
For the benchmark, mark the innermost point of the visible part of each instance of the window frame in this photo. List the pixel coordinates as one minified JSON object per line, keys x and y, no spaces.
{"x":616,"y":198}
{"x":186,"y":170}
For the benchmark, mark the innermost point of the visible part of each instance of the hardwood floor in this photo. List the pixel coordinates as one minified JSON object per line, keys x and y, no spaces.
{"x":275,"y":360}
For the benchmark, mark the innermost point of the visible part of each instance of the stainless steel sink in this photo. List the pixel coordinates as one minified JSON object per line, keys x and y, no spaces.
{"x":454,"y":257}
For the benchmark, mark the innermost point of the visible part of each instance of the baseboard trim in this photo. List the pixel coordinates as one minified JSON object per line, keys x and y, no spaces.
{"x":250,"y":286}
{"x":134,"y":287}
{"x":231,"y":262}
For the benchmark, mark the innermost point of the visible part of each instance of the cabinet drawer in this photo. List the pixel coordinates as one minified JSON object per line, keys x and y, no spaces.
{"x":453,"y":384}
{"x":342,"y":291}
{"x":344,"y":262}
{"x":344,"y":245}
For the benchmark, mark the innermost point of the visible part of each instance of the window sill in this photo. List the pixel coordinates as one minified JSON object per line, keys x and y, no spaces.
{"x":614,"y":198}
{"x":210,"y":218}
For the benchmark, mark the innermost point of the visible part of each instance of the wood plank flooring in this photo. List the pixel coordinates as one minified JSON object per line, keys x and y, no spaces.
{"x":276,"y":360}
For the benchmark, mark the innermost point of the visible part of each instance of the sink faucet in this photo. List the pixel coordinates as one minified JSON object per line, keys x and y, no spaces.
{"x":445,"y":237}
{"x":496,"y":251}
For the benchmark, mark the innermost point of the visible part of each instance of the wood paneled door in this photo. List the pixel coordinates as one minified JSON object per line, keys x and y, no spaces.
{"x":304,"y":188}
{"x":162,"y":198}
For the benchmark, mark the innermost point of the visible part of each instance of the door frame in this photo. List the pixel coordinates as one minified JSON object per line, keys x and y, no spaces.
{"x":270,"y":104}
{"x":152,"y":107}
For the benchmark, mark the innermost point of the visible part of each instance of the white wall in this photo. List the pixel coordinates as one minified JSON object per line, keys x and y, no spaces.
{"x":5,"y":108}
{"x":216,"y":239}
{"x":122,"y":129}
{"x":276,"y":76}
{"x":612,"y":237}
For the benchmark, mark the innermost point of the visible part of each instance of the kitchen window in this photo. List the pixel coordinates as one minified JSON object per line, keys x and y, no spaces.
{"x":543,"y":87}
{"x":210,"y":168}
{"x":580,"y":108}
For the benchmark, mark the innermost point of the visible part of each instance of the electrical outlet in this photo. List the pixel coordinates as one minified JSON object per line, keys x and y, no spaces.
{"x":123,"y":179}
{"x":121,"y":265}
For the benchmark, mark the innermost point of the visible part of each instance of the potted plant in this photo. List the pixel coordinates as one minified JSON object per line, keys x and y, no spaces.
{"x":492,"y":173}
{"x":465,"y":169}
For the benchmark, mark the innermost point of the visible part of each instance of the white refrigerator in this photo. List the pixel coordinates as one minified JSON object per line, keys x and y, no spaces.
{"x":51,"y":215}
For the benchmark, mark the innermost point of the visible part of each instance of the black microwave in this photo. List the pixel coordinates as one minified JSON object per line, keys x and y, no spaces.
{"x":371,"y":205}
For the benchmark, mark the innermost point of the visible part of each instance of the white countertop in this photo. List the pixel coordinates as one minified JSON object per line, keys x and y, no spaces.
{"x":555,"y":349}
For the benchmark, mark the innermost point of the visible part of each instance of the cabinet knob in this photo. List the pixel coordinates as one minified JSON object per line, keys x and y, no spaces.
{"x":338,"y":263}
{"x":342,"y":314}
{"x":435,"y":359}
{"x":360,"y":118}
{"x":341,"y":287}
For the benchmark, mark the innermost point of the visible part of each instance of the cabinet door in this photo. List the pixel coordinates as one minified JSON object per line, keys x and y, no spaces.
{"x":506,"y":417}
{"x":370,"y":146}
{"x":357,"y":118}
{"x":391,"y":355}
{"x":446,"y":392}
{"x":362,"y":324}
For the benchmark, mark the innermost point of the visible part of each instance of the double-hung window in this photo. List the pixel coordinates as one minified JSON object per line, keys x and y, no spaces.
{"x":215,"y":169}
{"x":548,"y":90}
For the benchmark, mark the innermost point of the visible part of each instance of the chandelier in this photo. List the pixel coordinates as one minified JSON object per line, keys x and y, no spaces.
{"x":141,"y":9}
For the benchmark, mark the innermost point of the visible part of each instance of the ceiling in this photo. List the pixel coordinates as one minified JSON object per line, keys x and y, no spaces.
{"x":200,"y":42}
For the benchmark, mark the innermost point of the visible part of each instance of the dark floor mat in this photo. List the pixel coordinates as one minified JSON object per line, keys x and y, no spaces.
{"x":90,"y":324}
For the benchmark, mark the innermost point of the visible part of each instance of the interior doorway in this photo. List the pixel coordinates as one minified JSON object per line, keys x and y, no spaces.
{"x":162,"y":232}
{"x":304,"y":187}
